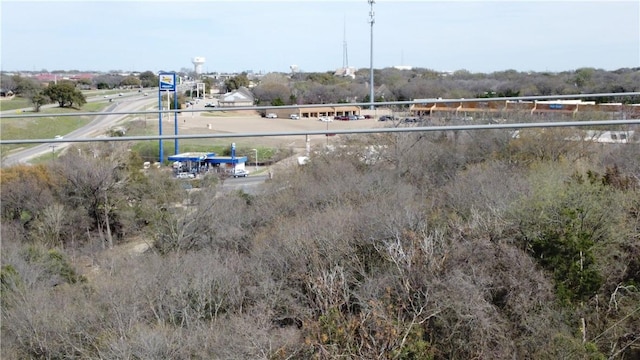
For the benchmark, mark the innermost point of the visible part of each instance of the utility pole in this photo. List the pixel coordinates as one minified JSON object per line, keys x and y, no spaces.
{"x":371,"y":21}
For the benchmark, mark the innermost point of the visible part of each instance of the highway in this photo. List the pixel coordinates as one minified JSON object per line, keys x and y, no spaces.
{"x":97,"y":127}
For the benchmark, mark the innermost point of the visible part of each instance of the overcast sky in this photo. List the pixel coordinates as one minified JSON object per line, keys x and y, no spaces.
{"x":266,"y":36}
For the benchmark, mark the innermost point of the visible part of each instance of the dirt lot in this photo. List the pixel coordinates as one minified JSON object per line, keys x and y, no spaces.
{"x":251,"y":122}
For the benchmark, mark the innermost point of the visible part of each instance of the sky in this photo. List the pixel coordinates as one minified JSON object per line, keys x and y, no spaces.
{"x":272,"y":36}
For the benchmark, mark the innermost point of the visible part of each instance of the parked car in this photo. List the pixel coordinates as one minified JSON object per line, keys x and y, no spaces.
{"x":185,"y":175}
{"x":294,"y":116}
{"x":209,"y":105}
{"x":271,"y":116}
{"x":361,"y":117}
{"x":352,"y":117}
{"x":341,"y":117}
{"x":58,"y":137}
{"x":325,"y":118}
{"x":386,"y":118}
{"x":240,"y":173}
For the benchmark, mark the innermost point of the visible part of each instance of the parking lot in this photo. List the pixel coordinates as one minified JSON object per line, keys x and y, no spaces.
{"x":251,"y":122}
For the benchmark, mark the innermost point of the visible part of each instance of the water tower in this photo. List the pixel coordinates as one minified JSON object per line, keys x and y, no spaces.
{"x":198,"y":61}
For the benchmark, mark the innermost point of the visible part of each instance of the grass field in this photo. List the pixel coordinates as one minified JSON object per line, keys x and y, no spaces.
{"x":44,"y":127}
{"x":15,"y":103}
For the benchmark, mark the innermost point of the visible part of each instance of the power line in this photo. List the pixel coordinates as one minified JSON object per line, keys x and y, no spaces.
{"x":352,"y":131}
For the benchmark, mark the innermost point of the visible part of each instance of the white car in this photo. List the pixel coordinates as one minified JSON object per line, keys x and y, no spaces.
{"x":185,"y":175}
{"x":271,"y":116}
{"x":58,"y":137}
{"x":294,"y":117}
{"x":240,"y":173}
{"x":325,"y":118}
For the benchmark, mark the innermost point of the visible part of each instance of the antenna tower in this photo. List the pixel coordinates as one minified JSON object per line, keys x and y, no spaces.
{"x":345,"y":54}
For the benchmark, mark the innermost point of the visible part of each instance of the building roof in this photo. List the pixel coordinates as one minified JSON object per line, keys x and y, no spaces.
{"x":209,"y":158}
{"x":240,"y":95}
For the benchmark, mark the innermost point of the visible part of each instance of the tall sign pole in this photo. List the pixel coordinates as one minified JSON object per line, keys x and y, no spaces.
{"x":175,"y":122}
{"x":161,"y":153}
{"x":167,"y":82}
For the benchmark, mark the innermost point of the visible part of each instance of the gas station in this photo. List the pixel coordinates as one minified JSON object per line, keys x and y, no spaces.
{"x":199,"y":162}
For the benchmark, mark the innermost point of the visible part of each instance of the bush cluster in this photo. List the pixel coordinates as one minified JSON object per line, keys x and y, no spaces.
{"x":440,"y":247}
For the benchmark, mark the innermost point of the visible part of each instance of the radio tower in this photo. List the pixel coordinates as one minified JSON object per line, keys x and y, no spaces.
{"x":345,"y":55}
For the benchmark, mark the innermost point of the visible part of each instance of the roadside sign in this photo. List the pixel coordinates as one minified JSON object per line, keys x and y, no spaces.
{"x":167,"y":81}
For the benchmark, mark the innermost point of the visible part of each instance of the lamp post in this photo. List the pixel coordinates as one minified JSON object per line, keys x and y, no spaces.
{"x":256,"y":151}
{"x":371,"y":89}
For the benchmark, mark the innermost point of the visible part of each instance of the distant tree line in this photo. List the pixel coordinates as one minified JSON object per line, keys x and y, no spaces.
{"x":402,"y":85}
{"x":390,"y":85}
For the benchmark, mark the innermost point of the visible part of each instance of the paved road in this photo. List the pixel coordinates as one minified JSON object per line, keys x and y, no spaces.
{"x":96,"y":127}
{"x":247,"y":184}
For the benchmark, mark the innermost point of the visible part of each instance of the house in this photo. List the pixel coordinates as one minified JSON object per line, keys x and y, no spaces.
{"x":6,"y":93}
{"x":239,"y":97}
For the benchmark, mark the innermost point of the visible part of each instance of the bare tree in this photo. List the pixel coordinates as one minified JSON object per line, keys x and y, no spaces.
{"x":94,"y":183}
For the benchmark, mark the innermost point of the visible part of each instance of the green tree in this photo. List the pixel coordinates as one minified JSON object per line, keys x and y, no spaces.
{"x":568,"y":224}
{"x":65,"y":94}
{"x":131,"y":81}
{"x":181,"y":101}
{"x":277,"y":102}
{"x":148,"y":79}
{"x":84,"y":81}
{"x":37,"y":99}
{"x":237,"y":82}
{"x":24,"y":86}
{"x":322,"y":78}
{"x":208,"y":84}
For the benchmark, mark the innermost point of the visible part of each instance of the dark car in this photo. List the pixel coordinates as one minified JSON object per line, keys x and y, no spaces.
{"x":385,"y":118}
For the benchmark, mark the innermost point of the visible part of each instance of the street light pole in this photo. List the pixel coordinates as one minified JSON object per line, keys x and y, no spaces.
{"x":371,"y":90}
{"x":256,"y":151}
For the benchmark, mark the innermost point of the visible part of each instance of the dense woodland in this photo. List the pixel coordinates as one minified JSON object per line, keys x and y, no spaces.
{"x":403,"y":85}
{"x":467,"y":245}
